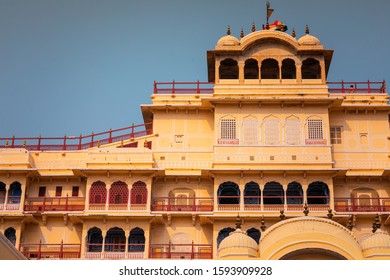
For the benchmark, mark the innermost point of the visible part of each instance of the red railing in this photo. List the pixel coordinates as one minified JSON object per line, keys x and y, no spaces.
{"x":50,"y":251}
{"x":42,"y":204}
{"x":357,"y":87}
{"x":183,"y":87}
{"x":181,"y":251}
{"x":187,"y":204}
{"x":77,"y":142}
{"x":348,"y":204}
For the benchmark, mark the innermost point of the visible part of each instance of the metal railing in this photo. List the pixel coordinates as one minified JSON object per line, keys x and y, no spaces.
{"x":185,"y":204}
{"x":77,"y":142}
{"x":50,"y":251}
{"x":183,"y":87}
{"x":357,"y":87}
{"x":351,"y":204}
{"x":181,"y":251}
{"x":42,"y":204}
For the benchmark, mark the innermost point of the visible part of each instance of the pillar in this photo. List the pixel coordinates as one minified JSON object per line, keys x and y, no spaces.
{"x":217,"y":64}
{"x":104,"y":234}
{"x":241,"y":76}
{"x":147,"y":241}
{"x":107,"y":196}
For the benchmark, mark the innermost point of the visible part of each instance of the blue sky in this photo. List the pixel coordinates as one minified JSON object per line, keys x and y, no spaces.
{"x":77,"y":66}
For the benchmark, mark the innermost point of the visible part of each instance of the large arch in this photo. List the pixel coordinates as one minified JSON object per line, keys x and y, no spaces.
{"x":269,"y":69}
{"x":115,"y":240}
{"x":15,"y":193}
{"x":311,"y":234}
{"x":2,"y":193}
{"x":119,"y":193}
{"x":223,"y":233}
{"x":138,"y":193}
{"x":251,"y":69}
{"x":228,"y":193}
{"x":294,"y":193}
{"x":228,"y":69}
{"x":136,"y":240}
{"x":273,"y":193}
{"x":317,"y":193}
{"x":252,"y":193}
{"x":288,"y":69}
{"x":94,"y":240}
{"x":10,"y":233}
{"x":311,"y":69}
{"x":98,"y":193}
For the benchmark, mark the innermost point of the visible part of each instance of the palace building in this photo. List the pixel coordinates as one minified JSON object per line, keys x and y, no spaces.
{"x":266,"y":160}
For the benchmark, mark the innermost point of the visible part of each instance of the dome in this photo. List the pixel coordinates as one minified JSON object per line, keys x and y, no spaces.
{"x":228,"y":41}
{"x":238,"y":244}
{"x":377,"y":240}
{"x":309,"y":40}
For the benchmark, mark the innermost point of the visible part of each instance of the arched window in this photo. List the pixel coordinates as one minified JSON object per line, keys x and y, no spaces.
{"x":252,"y":193}
{"x":115,"y":240}
{"x":10,"y":233}
{"x":249,"y":130}
{"x":119,"y":193}
{"x":311,"y":69}
{"x":228,"y":69}
{"x":136,"y":240}
{"x":273,"y":193}
{"x":271,"y":131}
{"x":315,"y":129}
{"x":254,"y":233}
{"x":318,"y":193}
{"x":293,"y":131}
{"x":228,"y":131}
{"x":288,"y":69}
{"x":223,"y":233}
{"x":94,"y":240}
{"x":228,"y":193}
{"x":98,"y":193}
{"x":294,"y":193}
{"x":15,"y":192}
{"x":139,"y":193}
{"x":365,"y":200}
{"x":2,"y":193}
{"x":251,"y":69}
{"x":269,"y":69}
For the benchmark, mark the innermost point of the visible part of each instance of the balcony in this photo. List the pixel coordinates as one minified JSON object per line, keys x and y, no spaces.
{"x":77,"y":142}
{"x":10,"y":203}
{"x":348,"y":205}
{"x":114,"y":251}
{"x":357,"y":87}
{"x":183,"y":88}
{"x":273,"y":203}
{"x":181,"y":251}
{"x":116,"y":207}
{"x":188,"y":204}
{"x":64,"y":204}
{"x":50,"y":251}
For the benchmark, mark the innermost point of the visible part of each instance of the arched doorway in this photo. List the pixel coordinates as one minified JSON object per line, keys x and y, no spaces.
{"x":228,"y":196}
{"x":313,"y":254}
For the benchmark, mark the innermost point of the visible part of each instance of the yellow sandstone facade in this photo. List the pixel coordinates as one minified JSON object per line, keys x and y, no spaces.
{"x":299,"y":163}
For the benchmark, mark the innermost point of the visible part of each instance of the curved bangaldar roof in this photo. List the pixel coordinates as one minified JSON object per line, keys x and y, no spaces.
{"x":231,"y":46}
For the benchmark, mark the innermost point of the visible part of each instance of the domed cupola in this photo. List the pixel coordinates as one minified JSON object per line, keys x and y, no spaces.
{"x":309,"y":40}
{"x":377,"y":245}
{"x":227,"y":41}
{"x":238,"y":245}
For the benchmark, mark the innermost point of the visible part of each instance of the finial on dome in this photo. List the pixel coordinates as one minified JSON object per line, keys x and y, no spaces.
{"x":293,"y":33}
{"x":253,"y":27}
{"x":238,"y":222}
{"x":242,"y":33}
{"x":307,"y":29}
{"x":228,"y":30}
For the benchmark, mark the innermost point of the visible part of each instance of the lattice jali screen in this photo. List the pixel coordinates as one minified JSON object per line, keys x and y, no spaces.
{"x":139,"y":193}
{"x":119,"y":193}
{"x":228,"y":129}
{"x":98,"y":193}
{"x":314,"y":129}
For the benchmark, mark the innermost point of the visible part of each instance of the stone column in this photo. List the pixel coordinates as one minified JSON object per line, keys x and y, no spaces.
{"x":104,"y":233}
{"x":107,"y":197}
{"x":23,"y":194}
{"x":298,"y":68}
{"x":147,"y":241}
{"x":7,"y":187}
{"x":241,"y":66}
{"x":217,"y":64}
